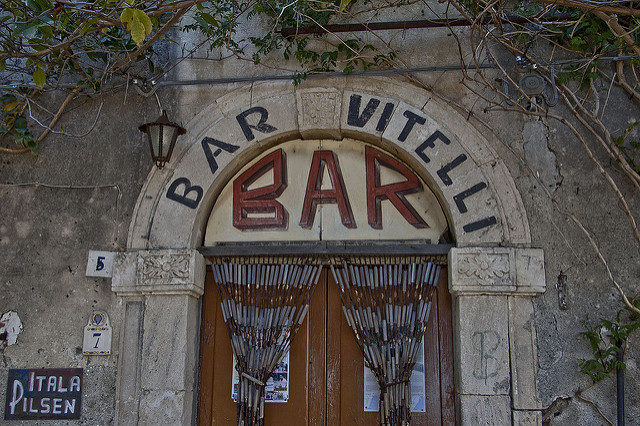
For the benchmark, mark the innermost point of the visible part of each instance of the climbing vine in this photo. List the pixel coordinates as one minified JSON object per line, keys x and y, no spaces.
{"x":607,"y":339}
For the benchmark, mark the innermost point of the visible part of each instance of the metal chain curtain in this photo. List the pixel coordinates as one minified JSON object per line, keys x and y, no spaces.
{"x":387,"y":307}
{"x":263,"y":307}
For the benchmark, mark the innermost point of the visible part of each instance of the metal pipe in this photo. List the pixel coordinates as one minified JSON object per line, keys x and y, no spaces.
{"x":252,"y":79}
{"x":154,"y":85}
{"x":620,"y":384}
{"x":405,"y":25}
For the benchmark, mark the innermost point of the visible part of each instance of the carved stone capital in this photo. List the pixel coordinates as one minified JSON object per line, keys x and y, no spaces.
{"x":496,"y":270}
{"x":159,"y":272}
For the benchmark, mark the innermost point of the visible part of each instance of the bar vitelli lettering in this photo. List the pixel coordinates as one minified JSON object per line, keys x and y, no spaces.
{"x":258,"y":207}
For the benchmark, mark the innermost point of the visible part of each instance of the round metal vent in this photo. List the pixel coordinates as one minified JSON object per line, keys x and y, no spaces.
{"x":532,"y":84}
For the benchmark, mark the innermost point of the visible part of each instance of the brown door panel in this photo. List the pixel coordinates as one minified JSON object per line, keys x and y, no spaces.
{"x":326,"y":366}
{"x":306,"y":363}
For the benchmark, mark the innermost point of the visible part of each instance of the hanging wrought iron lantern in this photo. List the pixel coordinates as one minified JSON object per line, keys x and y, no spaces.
{"x":162,"y":135}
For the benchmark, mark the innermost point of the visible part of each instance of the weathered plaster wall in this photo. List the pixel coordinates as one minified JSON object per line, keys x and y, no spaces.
{"x":47,"y":232}
{"x":543,"y":152}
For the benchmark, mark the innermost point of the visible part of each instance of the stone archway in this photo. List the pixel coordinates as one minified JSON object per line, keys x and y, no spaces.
{"x":493,"y":272}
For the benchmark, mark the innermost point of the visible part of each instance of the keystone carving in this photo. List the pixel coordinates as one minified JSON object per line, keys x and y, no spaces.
{"x":318,"y":110}
{"x":314,"y":108}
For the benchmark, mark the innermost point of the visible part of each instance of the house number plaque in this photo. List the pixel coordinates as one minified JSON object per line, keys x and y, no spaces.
{"x":97,"y":335}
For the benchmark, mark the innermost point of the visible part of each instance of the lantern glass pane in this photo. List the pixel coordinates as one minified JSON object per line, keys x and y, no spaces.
{"x":167,"y":137}
{"x":154,"y":132}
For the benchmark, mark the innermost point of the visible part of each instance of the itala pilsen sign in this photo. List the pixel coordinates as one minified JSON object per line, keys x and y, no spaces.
{"x":48,"y":393}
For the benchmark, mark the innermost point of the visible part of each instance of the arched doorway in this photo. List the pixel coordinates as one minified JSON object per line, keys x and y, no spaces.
{"x":294,"y":197}
{"x":493,"y":271}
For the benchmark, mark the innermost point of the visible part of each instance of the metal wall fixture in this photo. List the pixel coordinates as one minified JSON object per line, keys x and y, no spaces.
{"x":162,"y":135}
{"x":561,"y":287}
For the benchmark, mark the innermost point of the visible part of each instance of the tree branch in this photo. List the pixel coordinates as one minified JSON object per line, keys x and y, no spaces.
{"x":56,"y":117}
{"x":594,"y":8}
{"x":618,"y":30}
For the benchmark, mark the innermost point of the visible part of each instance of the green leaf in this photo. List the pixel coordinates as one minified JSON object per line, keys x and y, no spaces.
{"x":126,"y":16}
{"x":39,"y":77}
{"x":88,"y":26}
{"x":344,"y":4}
{"x":31,"y":144}
{"x":137,"y":31}
{"x":577,"y":43}
{"x":27,"y":29}
{"x":20,"y":123}
{"x":209,"y":19}
{"x":10,"y":106}
{"x":144,"y":19}
{"x":46,"y":30}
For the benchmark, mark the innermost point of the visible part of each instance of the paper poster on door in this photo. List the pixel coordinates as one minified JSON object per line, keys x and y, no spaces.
{"x":418,"y":391}
{"x":277,"y":387}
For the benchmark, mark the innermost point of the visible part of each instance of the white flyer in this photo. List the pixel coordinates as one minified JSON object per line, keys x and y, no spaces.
{"x":277,"y":387}
{"x":418,"y":391}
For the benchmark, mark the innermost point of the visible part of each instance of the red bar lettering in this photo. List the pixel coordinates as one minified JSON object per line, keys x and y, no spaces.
{"x":315,"y":195}
{"x":394,"y":192}
{"x":261,"y":200}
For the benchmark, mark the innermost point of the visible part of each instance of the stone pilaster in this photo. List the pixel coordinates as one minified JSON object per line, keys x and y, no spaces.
{"x":158,"y":350}
{"x":495,"y":335}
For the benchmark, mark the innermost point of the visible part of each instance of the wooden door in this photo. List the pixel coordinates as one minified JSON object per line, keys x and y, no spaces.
{"x":326,"y":366}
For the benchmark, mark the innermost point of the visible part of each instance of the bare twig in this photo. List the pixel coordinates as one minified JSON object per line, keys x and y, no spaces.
{"x":57,"y":116}
{"x":14,"y":150}
{"x":594,"y":8}
{"x":581,"y":397}
{"x":622,"y":81}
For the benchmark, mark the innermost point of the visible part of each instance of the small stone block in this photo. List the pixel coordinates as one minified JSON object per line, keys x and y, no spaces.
{"x":485,"y":410}
{"x":530,"y":276}
{"x":124,"y":272}
{"x":319,"y":113}
{"x":527,"y":418}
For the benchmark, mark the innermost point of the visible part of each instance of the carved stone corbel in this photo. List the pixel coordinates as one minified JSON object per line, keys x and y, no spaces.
{"x":159,"y":272}
{"x":496,"y":270}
